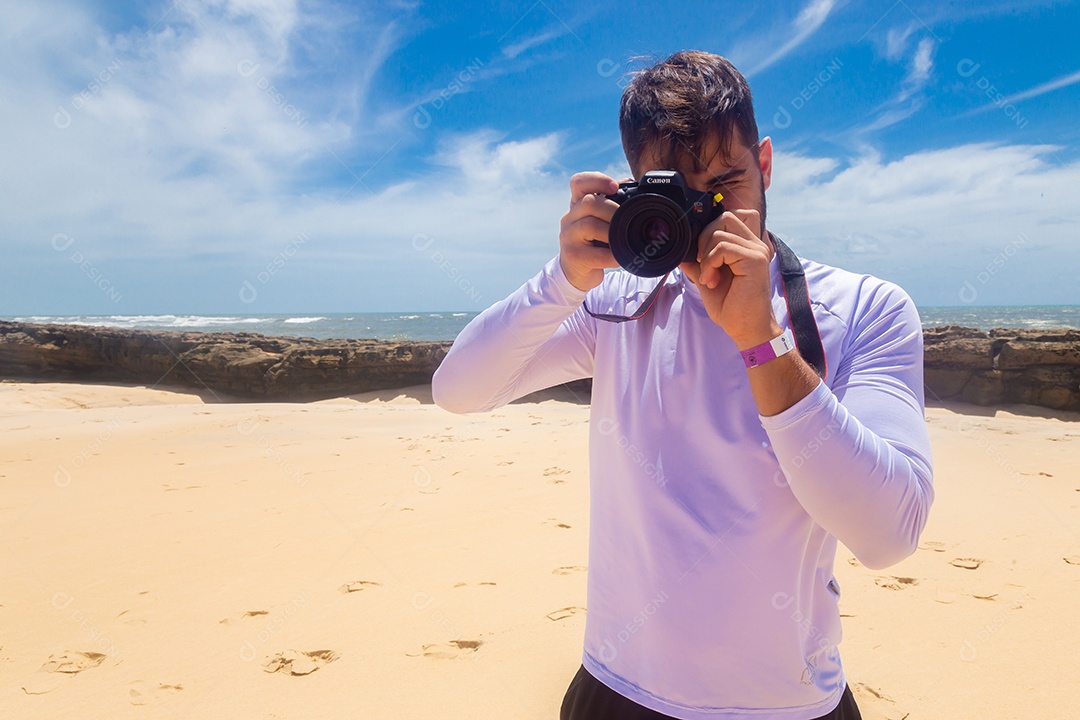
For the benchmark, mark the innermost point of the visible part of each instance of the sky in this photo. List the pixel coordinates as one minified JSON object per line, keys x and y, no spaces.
{"x":268,"y":156}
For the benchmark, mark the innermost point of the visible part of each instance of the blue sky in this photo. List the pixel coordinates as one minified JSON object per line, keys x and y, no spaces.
{"x":262,"y":156}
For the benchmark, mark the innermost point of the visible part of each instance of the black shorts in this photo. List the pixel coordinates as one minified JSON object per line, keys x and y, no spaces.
{"x":589,"y":699}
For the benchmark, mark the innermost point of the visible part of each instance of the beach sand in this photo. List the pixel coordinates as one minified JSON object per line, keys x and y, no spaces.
{"x":375,"y":556}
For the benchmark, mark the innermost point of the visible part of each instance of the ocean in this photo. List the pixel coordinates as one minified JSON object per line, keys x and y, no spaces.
{"x":446,"y":325}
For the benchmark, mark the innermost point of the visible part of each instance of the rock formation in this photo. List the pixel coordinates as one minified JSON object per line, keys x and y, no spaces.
{"x":241,"y":365}
{"x":1037,"y":367}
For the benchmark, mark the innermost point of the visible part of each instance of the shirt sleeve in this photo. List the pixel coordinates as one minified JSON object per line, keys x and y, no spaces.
{"x":536,"y":338}
{"x":857,"y":456}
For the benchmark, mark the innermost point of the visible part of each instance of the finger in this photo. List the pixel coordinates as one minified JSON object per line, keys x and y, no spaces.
{"x":584,"y":183}
{"x":738,"y":254}
{"x":737,"y":222}
{"x":596,"y":206}
{"x":731,"y":225}
{"x":750,"y":220}
{"x":593,"y":257}
{"x":588,"y":230}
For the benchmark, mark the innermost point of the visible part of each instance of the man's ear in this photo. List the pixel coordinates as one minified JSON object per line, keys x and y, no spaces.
{"x":765,"y":160}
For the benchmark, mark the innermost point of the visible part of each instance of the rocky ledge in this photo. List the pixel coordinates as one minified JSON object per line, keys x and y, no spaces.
{"x":1037,"y":367}
{"x":238,"y":365}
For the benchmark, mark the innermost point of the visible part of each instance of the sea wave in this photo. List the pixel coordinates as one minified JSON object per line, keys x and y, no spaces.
{"x":302,"y":320}
{"x":145,"y":321}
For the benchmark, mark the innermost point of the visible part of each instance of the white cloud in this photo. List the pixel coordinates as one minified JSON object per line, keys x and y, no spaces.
{"x":896,"y":40}
{"x":482,"y":159}
{"x":176,"y":173}
{"x":933,"y":219}
{"x":514,"y":49}
{"x":911,"y":97}
{"x":922,"y":63}
{"x":812,"y":16}
{"x":1042,"y":89}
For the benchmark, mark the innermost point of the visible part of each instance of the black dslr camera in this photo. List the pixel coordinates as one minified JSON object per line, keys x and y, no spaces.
{"x":658,"y":222}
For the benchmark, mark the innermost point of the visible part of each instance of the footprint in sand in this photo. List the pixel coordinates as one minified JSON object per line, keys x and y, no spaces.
{"x":966,"y":563}
{"x":450,"y":650}
{"x":945,"y":596}
{"x":248,"y":614}
{"x":894,"y":583}
{"x":935,"y":545}
{"x":461,"y":584}
{"x":131,"y":620}
{"x":555,"y":522}
{"x":141,"y":692}
{"x":73,"y":662}
{"x":1072,"y":559}
{"x":563,"y":613}
{"x":568,"y":569}
{"x":295,"y":662}
{"x":549,"y":472}
{"x":358,"y":585}
{"x":862,"y":688}
{"x":51,"y":673}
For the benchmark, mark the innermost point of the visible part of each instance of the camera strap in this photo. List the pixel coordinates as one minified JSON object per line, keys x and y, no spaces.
{"x":797,"y":297}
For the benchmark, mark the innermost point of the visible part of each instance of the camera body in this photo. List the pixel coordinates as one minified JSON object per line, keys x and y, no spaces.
{"x":658,"y":222}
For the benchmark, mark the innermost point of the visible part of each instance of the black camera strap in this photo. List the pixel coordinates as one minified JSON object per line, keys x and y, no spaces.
{"x":796,"y":295}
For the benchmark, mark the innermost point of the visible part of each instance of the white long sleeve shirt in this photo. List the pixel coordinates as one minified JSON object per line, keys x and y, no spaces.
{"x":713,"y":529}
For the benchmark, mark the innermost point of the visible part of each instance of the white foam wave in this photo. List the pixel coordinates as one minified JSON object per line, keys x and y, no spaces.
{"x":145,"y":321}
{"x":302,"y":320}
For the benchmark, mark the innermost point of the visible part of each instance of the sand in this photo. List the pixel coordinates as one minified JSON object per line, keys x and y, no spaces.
{"x":375,"y":556}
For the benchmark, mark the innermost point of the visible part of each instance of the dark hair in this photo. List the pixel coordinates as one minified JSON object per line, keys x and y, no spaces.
{"x":677,"y":104}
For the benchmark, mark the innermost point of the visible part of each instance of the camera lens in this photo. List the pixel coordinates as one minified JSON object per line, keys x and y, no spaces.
{"x":656,"y":231}
{"x":649,"y":235}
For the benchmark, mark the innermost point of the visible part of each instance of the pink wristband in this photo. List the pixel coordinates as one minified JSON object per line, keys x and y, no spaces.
{"x":766,"y":351}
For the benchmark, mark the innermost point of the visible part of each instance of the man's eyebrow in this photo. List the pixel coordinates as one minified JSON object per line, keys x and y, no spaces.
{"x":732,"y":174}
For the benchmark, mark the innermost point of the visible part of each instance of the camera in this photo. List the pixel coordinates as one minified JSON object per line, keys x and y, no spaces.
{"x":658,"y":222}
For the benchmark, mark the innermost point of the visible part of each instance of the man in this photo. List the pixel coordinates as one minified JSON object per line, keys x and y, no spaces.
{"x":719,"y":484}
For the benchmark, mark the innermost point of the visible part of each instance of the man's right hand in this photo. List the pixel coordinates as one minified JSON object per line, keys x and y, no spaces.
{"x":583,"y":238}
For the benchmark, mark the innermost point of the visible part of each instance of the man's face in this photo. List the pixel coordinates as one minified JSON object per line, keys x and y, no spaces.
{"x":741,"y":178}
